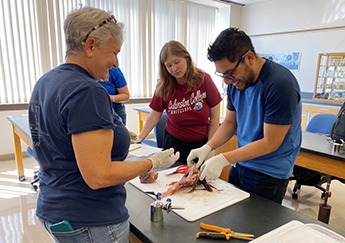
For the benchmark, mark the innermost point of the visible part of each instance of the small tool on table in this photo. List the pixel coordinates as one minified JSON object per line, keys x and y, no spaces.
{"x":181,"y":169}
{"x":223,"y":233}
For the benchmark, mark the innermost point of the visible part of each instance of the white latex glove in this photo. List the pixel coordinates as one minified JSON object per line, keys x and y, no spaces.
{"x":133,"y":136}
{"x":164,"y":159}
{"x":200,"y":153}
{"x":136,"y":140}
{"x":210,"y":155}
{"x":212,"y":168}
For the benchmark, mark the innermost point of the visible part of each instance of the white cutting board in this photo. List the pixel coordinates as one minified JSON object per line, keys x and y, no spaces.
{"x":296,"y":231}
{"x":274,"y":235}
{"x":199,"y":203}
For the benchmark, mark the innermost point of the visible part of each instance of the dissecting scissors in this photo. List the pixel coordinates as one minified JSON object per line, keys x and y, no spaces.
{"x":182,"y":169}
{"x":223,"y":233}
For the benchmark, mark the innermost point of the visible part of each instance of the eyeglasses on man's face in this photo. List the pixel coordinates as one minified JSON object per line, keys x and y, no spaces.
{"x":230,"y":75}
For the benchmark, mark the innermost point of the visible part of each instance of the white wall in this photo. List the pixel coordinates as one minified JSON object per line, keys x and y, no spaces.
{"x":289,"y":15}
{"x":235,"y":16}
{"x":132,"y":118}
{"x":293,"y":15}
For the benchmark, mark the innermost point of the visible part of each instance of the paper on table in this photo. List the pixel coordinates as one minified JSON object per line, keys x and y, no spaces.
{"x":143,"y":150}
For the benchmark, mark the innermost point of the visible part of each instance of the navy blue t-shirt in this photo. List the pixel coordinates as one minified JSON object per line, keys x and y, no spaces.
{"x":273,"y":99}
{"x":66,"y":101}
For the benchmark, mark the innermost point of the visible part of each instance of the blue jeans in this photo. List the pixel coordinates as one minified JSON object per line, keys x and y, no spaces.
{"x":259,"y":183}
{"x":121,"y":111}
{"x":101,"y":234}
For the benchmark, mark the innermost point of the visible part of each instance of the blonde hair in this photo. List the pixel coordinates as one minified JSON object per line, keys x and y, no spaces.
{"x":166,"y":83}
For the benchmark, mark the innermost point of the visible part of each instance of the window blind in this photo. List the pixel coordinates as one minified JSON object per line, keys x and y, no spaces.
{"x":32,"y":39}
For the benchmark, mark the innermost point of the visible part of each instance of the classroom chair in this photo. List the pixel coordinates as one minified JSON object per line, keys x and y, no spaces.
{"x":321,"y":123}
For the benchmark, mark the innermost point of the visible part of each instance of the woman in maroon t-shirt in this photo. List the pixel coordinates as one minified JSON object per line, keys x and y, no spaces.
{"x":190,"y":99}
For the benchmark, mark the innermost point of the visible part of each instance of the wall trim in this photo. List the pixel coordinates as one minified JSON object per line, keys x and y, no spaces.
{"x":299,"y":31}
{"x":5,"y":157}
{"x":14,"y":107}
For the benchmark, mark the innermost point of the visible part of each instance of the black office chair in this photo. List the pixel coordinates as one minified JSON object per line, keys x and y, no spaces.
{"x":158,"y":131}
{"x":321,"y":123}
{"x":35,"y":177}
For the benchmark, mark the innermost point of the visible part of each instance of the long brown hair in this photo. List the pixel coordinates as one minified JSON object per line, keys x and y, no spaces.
{"x":166,"y":83}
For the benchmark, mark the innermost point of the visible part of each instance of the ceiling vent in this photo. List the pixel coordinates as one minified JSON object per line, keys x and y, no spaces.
{"x":229,"y":2}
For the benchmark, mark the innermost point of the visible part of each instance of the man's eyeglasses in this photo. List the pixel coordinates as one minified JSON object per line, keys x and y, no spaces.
{"x":98,"y":26}
{"x":230,"y":75}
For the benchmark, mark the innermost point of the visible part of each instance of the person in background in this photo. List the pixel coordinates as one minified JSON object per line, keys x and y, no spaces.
{"x":190,"y":99}
{"x":116,"y":86}
{"x":264,"y":108}
{"x":78,"y":140}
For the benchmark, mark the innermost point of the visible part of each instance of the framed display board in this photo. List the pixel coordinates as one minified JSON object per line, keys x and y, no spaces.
{"x":330,"y":78}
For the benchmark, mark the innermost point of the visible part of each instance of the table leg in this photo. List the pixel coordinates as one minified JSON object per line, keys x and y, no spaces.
{"x":140,"y":122}
{"x":18,"y":155}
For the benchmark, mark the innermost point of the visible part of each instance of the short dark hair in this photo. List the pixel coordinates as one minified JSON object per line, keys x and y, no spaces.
{"x":231,"y":43}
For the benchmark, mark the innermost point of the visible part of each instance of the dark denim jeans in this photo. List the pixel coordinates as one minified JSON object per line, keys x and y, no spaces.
{"x":118,"y":233}
{"x":258,"y":183}
{"x":121,"y":111}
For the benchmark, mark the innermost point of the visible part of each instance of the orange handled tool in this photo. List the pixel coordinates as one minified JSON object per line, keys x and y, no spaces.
{"x":223,"y":233}
{"x":181,"y":169}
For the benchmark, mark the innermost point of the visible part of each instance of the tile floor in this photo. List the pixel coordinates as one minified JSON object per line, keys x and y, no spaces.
{"x":18,"y":202}
{"x":19,"y":223}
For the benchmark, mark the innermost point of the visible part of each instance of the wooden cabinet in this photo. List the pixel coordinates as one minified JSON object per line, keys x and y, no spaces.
{"x":223,"y":106}
{"x":314,"y":110}
{"x":330,"y":78}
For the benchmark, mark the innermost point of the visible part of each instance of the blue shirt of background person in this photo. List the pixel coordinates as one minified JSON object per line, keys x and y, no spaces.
{"x":118,"y":92}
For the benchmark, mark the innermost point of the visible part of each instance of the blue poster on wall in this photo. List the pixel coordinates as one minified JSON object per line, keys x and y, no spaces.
{"x":289,"y":60}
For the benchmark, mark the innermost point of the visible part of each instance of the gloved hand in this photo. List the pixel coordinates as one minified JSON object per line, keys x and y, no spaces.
{"x":164,"y":159}
{"x":200,"y":153}
{"x":136,"y":140}
{"x":133,"y":136}
{"x":212,"y":168}
{"x":210,"y":155}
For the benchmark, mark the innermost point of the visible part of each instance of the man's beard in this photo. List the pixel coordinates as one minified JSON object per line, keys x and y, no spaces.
{"x":248,"y":79}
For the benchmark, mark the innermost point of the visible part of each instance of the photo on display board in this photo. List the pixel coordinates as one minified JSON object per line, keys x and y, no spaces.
{"x":289,"y":60}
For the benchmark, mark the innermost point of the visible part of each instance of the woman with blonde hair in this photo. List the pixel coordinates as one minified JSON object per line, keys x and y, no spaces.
{"x":190,"y":99}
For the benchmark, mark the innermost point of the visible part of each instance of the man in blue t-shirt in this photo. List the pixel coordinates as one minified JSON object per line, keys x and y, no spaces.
{"x":264,"y":109}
